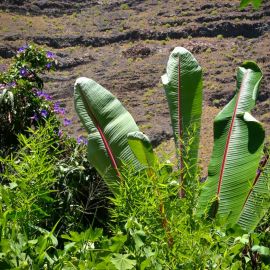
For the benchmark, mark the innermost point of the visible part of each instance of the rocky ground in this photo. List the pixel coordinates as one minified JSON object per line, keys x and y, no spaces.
{"x":124,"y":45}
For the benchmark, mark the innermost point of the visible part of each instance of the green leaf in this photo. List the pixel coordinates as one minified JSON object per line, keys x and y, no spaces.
{"x":244,"y":3}
{"x":238,"y":146}
{"x":256,"y":3}
{"x":12,"y":185}
{"x":183,"y":87}
{"x":74,"y":236}
{"x":92,"y":235}
{"x":69,"y":246}
{"x":121,"y":262}
{"x":142,"y":148}
{"x":264,"y":251}
{"x":257,"y":201}
{"x":108,"y":124}
{"x":118,"y":242}
{"x":32,"y":242}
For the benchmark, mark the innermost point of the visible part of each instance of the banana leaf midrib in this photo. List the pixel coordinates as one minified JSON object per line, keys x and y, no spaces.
{"x":229,"y":136}
{"x":180,"y":121}
{"x":103,"y":137}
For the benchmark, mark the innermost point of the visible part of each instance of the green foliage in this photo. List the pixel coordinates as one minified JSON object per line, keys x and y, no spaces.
{"x":39,"y":191}
{"x":28,"y":176}
{"x":147,"y":206}
{"x":139,"y":238}
{"x":78,"y":194}
{"x":256,"y":3}
{"x":122,"y":262}
{"x":187,"y":241}
{"x":142,"y":148}
{"x":21,"y":92}
{"x":257,"y":202}
{"x":46,"y":181}
{"x":82,"y":195}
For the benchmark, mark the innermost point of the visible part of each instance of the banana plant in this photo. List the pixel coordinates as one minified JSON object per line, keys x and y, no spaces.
{"x":238,"y":148}
{"x":233,"y":190}
{"x":183,"y":87}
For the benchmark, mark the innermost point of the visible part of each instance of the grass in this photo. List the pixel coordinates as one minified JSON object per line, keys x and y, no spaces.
{"x":124,"y":6}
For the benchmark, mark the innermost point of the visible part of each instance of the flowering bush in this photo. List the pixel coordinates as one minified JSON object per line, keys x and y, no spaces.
{"x":23,"y":104}
{"x":30,"y":123}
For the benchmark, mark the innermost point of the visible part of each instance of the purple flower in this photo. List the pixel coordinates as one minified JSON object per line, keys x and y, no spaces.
{"x":22,"y":49}
{"x":49,"y":65}
{"x":43,"y":95}
{"x":67,"y":122}
{"x":44,"y":113}
{"x":58,"y":109}
{"x":48,"y":97}
{"x":50,"y":55}
{"x":81,"y":139}
{"x":23,"y":72}
{"x":2,"y":86}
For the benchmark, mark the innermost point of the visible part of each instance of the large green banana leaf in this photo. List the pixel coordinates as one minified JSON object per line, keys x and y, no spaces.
{"x":108,"y":124}
{"x":257,"y":201}
{"x":238,"y":147}
{"x":183,"y":87}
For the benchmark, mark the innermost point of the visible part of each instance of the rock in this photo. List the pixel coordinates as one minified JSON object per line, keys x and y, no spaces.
{"x":159,"y":137}
{"x":65,"y":62}
{"x":138,"y":51}
{"x":7,"y":51}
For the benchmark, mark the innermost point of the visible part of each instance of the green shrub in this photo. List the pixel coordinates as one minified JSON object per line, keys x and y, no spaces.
{"x":27,"y":112}
{"x":255,"y":3}
{"x":23,"y":104}
{"x":124,"y":6}
{"x":28,"y":176}
{"x":82,"y":195}
{"x":175,"y":237}
{"x":46,"y":181}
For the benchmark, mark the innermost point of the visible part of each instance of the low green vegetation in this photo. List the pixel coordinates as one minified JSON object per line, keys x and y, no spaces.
{"x":142,"y":213}
{"x":255,"y":3}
